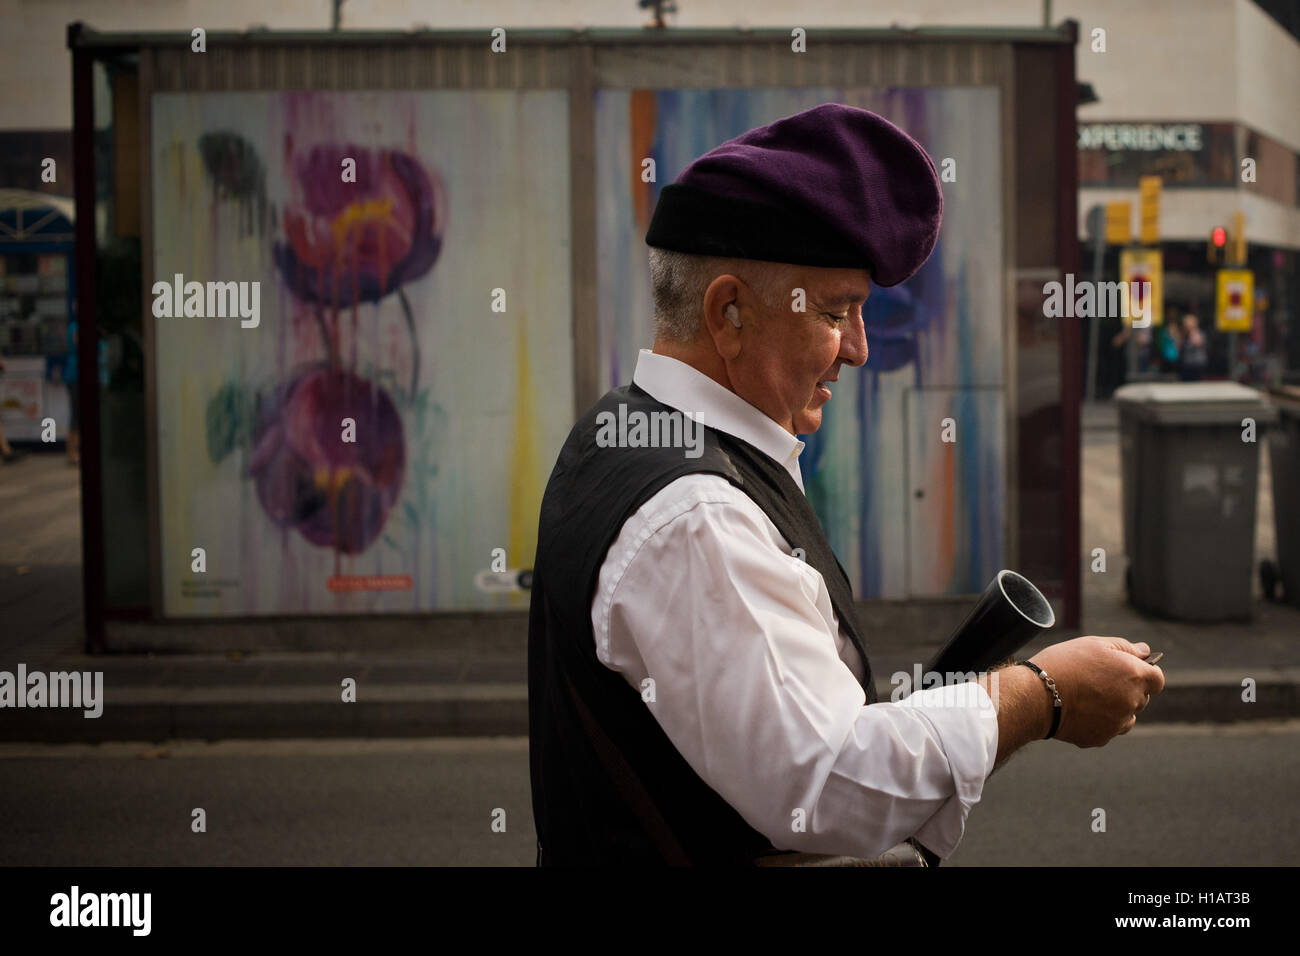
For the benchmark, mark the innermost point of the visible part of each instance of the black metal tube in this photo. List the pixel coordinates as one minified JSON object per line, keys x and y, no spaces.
{"x":1009,"y":614}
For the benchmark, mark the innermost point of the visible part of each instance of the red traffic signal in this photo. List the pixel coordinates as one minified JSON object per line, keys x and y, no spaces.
{"x":1219,"y":237}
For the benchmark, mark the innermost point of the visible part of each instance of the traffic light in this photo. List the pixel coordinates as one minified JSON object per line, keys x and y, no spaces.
{"x":1217,"y":247}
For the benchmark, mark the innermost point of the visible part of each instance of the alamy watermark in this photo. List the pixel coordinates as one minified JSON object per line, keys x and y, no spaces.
{"x":1086,"y":300}
{"x":213,"y":300}
{"x":961,"y":688}
{"x":638,"y":429}
{"x":75,"y":689}
{"x":75,"y":908}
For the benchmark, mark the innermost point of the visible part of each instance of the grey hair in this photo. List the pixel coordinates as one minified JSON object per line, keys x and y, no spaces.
{"x":678,"y":281}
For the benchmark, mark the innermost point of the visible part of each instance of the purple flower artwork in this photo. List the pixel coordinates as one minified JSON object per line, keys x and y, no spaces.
{"x":328,"y":450}
{"x":336,"y":492}
{"x":358,"y":241}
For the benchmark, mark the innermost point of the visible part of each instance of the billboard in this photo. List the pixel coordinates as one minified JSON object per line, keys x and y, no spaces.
{"x":362,"y":317}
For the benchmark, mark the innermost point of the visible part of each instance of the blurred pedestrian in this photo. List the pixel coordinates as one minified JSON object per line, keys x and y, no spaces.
{"x":1257,"y":358}
{"x":1143,"y":346}
{"x":1170,"y":342}
{"x":1194,"y":356}
{"x":7,"y":453}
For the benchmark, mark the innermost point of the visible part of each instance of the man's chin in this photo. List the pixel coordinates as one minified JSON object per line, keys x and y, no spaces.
{"x":808,"y":422}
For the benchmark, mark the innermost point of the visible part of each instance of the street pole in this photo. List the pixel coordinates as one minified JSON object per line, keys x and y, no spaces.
{"x":1097,"y":227}
{"x":1132,"y":352}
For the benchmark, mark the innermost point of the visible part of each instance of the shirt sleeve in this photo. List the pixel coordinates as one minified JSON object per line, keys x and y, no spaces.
{"x":700,"y":594}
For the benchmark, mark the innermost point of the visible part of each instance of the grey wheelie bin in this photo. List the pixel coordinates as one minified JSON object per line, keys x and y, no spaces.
{"x":1284,"y":458}
{"x":1189,"y":478}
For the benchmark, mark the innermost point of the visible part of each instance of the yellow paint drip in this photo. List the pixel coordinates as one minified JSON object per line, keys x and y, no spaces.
{"x":331,"y":480}
{"x":525,"y":479}
{"x":358,"y":214}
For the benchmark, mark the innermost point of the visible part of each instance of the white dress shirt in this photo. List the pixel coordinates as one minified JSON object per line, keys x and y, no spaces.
{"x":754,"y":682}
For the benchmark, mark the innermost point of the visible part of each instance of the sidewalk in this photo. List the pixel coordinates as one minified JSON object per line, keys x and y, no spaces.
{"x":40,"y":558}
{"x":466,"y":674}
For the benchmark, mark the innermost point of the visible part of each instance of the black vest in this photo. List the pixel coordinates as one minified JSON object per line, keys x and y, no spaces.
{"x":609,"y":788}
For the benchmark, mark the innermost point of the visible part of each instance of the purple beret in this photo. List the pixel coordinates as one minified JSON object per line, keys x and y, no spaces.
{"x":832,"y":186}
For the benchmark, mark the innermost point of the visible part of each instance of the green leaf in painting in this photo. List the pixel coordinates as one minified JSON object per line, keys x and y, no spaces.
{"x":225,"y":421}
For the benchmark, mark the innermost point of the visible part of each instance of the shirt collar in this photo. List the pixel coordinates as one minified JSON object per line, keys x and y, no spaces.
{"x":687,"y":389}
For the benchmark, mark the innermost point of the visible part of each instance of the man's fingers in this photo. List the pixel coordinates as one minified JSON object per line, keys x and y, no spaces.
{"x":1154,"y":679}
{"x":1139,"y":649}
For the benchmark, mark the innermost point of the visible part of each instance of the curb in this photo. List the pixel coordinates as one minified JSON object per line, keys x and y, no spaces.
{"x":479,"y":710}
{"x":214,"y":713}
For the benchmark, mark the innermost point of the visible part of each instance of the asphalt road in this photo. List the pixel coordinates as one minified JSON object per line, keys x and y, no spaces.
{"x":1172,"y":795}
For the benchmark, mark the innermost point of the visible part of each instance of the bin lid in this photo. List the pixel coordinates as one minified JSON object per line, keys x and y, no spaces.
{"x":1194,"y":403}
{"x":1286,"y":397}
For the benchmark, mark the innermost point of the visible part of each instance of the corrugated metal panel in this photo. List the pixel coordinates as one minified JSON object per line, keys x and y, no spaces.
{"x":352,"y":67}
{"x":81,"y":36}
{"x":826,"y":63}
{"x":630,"y":65}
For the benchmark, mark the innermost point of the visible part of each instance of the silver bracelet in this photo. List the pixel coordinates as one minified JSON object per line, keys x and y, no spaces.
{"x":1056,"y":698}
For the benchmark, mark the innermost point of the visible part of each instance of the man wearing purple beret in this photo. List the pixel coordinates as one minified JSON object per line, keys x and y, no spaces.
{"x":699,"y":687}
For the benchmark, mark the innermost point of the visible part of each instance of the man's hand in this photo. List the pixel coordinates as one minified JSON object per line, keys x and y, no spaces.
{"x":1104,"y":684}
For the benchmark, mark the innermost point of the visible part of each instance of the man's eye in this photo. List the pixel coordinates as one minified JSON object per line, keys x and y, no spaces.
{"x":836,"y":317}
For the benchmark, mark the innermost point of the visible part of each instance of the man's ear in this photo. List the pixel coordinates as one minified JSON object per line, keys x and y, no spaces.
{"x":722,"y":315}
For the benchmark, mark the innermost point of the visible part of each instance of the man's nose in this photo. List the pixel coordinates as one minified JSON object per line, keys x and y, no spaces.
{"x":853,"y":343}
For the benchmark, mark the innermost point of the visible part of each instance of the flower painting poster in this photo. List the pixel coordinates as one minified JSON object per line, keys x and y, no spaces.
{"x":380,"y":434}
